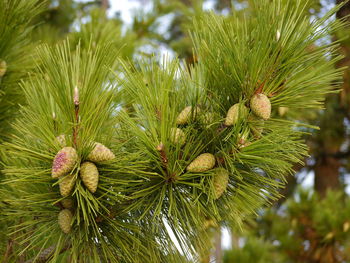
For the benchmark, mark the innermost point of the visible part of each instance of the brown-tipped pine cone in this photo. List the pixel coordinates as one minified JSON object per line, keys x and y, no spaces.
{"x":65,"y":218}
{"x":202,"y":163}
{"x":100,"y":153}
{"x":89,"y":176}
{"x":64,"y":161}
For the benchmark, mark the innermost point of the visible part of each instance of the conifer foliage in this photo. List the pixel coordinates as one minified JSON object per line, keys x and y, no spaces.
{"x":104,"y":163}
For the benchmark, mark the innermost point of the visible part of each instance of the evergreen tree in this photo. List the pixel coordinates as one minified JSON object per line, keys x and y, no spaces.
{"x":101,"y":165}
{"x":16,"y":58}
{"x":308,"y":229}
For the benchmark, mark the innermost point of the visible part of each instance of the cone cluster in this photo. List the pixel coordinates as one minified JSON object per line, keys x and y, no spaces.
{"x":63,"y":164}
{"x":206,"y":161}
{"x":260,"y":106}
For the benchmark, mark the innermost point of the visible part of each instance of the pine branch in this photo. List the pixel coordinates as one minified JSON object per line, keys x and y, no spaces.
{"x":46,"y":254}
{"x":8,"y":251}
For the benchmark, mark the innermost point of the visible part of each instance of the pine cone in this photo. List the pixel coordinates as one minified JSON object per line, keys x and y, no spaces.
{"x":220,"y":182}
{"x":64,"y":161}
{"x":177,"y":136}
{"x":89,"y":175}
{"x":282,"y":111}
{"x":202,"y":163}
{"x":67,"y":203}
{"x":65,"y":218}
{"x":208,"y":118}
{"x":234,"y":113}
{"x":261,"y":106}
{"x":3,"y":68}
{"x":186,"y":114}
{"x":100,"y":153}
{"x":67,"y":184}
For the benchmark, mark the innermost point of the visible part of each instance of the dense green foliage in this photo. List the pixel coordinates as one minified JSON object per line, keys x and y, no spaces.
{"x":306,"y":229}
{"x":87,"y":90}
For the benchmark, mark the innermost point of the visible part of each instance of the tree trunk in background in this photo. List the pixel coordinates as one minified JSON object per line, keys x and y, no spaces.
{"x":329,"y":142}
{"x":326,"y":174}
{"x":345,"y":50}
{"x":218,"y":246}
{"x":105,"y":4}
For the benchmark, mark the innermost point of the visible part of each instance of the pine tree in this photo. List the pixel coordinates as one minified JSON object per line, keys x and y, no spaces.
{"x":155,"y":136}
{"x":16,"y":58}
{"x":310,"y":229}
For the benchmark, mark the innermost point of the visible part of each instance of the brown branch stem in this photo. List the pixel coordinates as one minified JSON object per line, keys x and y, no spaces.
{"x":45,"y":255}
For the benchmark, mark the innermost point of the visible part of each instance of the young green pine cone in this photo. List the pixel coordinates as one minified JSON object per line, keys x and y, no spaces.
{"x":208,"y":118}
{"x":67,"y":203}
{"x":64,"y":161}
{"x":67,"y":184}
{"x":89,"y":175}
{"x":261,"y":106}
{"x":65,"y":218}
{"x":220,"y":182}
{"x":202,"y":163}
{"x":282,"y":111}
{"x":100,"y":153}
{"x":177,"y":136}
{"x":186,"y":114}
{"x":234,"y":113}
{"x":3,"y":68}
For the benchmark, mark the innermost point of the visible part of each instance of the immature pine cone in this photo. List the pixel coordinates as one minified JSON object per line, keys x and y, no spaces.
{"x":67,"y":184}
{"x":89,"y":175}
{"x":234,"y":113}
{"x":261,"y":106}
{"x":100,"y":153}
{"x":65,"y":218}
{"x":3,"y":68}
{"x":220,"y":182}
{"x":186,"y":114}
{"x":177,"y":136}
{"x":64,"y":161}
{"x":202,"y":163}
{"x":208,"y":118}
{"x":67,"y":203}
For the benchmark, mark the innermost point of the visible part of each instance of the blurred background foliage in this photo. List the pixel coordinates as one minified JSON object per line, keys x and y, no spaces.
{"x":307,"y":225}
